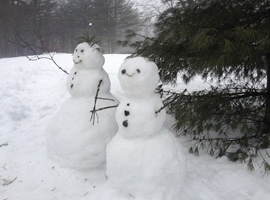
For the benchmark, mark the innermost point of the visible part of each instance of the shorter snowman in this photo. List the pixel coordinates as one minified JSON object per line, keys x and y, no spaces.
{"x":144,"y":159}
{"x":72,"y":139}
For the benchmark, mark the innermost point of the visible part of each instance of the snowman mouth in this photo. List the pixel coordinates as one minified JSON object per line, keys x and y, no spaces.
{"x":129,"y":75}
{"x":77,"y":62}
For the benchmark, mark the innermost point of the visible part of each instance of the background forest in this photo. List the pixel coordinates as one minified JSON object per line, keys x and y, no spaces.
{"x":54,"y":25}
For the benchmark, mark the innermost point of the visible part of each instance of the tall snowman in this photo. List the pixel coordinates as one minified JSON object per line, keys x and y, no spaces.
{"x":77,"y":137}
{"x":144,"y":159}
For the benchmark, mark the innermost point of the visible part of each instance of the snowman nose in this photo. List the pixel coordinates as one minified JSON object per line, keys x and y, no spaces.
{"x":123,"y":71}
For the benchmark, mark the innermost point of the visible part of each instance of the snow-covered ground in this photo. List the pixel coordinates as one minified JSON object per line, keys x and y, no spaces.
{"x":31,"y":93}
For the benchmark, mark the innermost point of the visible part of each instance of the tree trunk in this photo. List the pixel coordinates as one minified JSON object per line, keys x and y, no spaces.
{"x":266,"y":125}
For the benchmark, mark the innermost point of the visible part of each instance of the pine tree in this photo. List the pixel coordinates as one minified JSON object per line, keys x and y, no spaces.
{"x":110,"y":21}
{"x":228,"y":41}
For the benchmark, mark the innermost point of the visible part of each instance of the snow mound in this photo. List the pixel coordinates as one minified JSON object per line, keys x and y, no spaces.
{"x":26,"y":172}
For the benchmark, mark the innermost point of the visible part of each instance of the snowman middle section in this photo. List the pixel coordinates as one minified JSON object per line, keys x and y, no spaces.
{"x":137,"y":117}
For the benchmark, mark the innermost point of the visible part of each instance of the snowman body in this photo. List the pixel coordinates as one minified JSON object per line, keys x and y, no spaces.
{"x":72,"y":139}
{"x":144,"y":159}
{"x":84,"y":82}
{"x":134,"y":113}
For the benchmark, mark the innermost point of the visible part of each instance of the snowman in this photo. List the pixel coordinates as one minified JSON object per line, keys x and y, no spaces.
{"x":77,"y":136}
{"x":144,"y":158}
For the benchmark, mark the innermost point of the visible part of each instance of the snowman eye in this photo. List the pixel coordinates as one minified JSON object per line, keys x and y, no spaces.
{"x":138,"y":70}
{"x":123,"y":71}
{"x":82,"y":50}
{"x":76,"y":50}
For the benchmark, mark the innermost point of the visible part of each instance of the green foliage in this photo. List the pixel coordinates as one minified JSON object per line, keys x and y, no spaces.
{"x":85,"y":37}
{"x":225,"y":41}
{"x":226,"y":120}
{"x":91,"y":40}
{"x":208,"y":38}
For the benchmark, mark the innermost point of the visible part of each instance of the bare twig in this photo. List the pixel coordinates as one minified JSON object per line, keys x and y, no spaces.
{"x":105,"y":99}
{"x":95,"y":110}
{"x":85,"y":194}
{"x":8,"y":182}
{"x":94,"y":114}
{"x":4,"y":167}
{"x":4,"y":144}
{"x":104,"y":108}
{"x":28,"y":46}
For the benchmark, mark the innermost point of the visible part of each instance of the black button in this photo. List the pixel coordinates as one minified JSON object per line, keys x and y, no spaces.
{"x":125,"y":123}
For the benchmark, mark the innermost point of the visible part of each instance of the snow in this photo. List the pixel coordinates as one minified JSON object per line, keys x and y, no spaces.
{"x":146,"y":167}
{"x":30,"y":95}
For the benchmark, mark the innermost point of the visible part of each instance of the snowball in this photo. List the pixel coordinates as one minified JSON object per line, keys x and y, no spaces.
{"x":138,"y":77}
{"x":153,"y":167}
{"x":86,"y":56}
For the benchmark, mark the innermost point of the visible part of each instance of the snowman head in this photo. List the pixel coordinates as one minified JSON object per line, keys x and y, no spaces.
{"x":138,"y":77}
{"x":88,"y":56}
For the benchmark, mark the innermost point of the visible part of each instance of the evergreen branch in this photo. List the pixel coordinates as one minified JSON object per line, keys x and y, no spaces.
{"x":231,"y":96}
{"x":85,"y":37}
{"x":145,"y":37}
{"x":265,"y":163}
{"x":167,"y":104}
{"x":237,"y":139}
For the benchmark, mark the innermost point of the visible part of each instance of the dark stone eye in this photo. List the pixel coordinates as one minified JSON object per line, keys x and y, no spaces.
{"x":76,"y":50}
{"x":123,"y":71}
{"x":82,"y":50}
{"x":138,"y":70}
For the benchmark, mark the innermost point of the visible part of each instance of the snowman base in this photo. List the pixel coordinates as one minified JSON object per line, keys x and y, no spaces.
{"x":73,"y":140}
{"x":151,"y":167}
